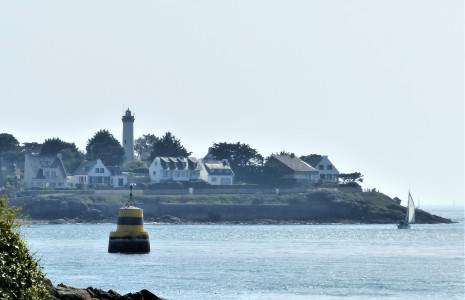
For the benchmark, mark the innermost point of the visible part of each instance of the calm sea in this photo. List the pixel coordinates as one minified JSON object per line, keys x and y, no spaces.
{"x":264,"y":261}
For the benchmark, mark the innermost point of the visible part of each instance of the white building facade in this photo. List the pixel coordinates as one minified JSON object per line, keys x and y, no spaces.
{"x":95,"y":173}
{"x":327,"y":171}
{"x":166,"y":169}
{"x":217,"y":172}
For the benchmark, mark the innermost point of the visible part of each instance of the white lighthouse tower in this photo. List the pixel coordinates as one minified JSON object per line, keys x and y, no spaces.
{"x":128,"y":136}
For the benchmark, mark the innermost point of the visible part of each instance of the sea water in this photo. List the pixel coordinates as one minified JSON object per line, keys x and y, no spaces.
{"x":263,"y":261}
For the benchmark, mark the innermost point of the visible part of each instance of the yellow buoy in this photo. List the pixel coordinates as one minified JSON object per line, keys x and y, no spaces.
{"x":129,"y":236}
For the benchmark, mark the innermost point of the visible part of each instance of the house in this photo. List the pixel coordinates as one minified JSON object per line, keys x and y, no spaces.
{"x":164,"y":169}
{"x":217,"y":172}
{"x":44,"y":171}
{"x":95,"y":173}
{"x":297,"y":168}
{"x":327,"y":172}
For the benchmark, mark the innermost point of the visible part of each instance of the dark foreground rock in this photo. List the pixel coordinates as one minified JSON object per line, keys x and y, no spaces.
{"x":63,"y":292}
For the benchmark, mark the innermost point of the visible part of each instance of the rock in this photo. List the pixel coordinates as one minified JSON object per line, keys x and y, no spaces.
{"x":63,"y":292}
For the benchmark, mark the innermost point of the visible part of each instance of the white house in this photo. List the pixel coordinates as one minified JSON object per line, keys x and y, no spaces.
{"x":164,"y":169}
{"x":217,"y":172}
{"x":95,"y":173}
{"x":327,"y":172}
{"x":44,"y":171}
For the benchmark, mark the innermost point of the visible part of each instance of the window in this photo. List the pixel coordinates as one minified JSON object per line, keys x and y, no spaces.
{"x":102,"y":170}
{"x":226,"y":180}
{"x":154,"y":173}
{"x":176,"y":173}
{"x":165,"y":173}
{"x":213,"y":179}
{"x":329,"y":176}
{"x":321,"y":167}
{"x":329,"y":167}
{"x":322,"y":176}
{"x":97,"y":170}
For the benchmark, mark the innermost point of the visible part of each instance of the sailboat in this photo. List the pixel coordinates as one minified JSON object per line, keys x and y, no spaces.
{"x":410,"y":216}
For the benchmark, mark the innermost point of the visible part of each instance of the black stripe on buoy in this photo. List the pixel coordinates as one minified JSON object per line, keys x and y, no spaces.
{"x":130,"y":221}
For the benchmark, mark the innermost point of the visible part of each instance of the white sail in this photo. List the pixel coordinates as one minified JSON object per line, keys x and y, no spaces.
{"x":410,"y":210}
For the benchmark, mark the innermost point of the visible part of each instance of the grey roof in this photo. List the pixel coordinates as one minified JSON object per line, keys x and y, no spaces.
{"x":218,"y":168}
{"x":85,"y":168}
{"x":294,"y":163}
{"x":38,"y":163}
{"x":179,"y":163}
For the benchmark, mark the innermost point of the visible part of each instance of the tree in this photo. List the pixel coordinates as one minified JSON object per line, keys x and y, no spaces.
{"x":169,"y":146}
{"x":54,"y":145}
{"x":22,"y":277}
{"x":70,"y":154}
{"x":350,"y":177}
{"x":312,"y":159}
{"x":8,"y":143}
{"x":71,"y":158}
{"x":31,"y":148}
{"x":245,"y":161}
{"x":104,"y":146}
{"x":145,"y":143}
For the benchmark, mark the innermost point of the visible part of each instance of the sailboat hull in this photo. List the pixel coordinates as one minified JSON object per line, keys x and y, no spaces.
{"x":403,"y":226}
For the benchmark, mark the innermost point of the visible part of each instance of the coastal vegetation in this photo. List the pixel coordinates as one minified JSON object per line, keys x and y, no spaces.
{"x":21,"y":276}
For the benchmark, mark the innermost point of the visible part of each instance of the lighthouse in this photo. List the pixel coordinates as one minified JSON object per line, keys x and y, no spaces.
{"x":128,"y":136}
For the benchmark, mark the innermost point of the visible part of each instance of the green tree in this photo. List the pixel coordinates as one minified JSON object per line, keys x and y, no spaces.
{"x":21,"y":276}
{"x":312,"y":159}
{"x":145,"y":143}
{"x":104,"y":146}
{"x":168,"y":146}
{"x":244,"y":160}
{"x":350,"y":177}
{"x":8,"y":145}
{"x":31,"y":148}
{"x":71,"y":156}
{"x":54,"y":145}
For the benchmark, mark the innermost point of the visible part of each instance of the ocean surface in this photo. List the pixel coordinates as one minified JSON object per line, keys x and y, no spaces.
{"x":264,"y":261}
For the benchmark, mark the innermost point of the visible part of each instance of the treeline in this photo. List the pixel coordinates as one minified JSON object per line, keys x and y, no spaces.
{"x":248,"y":164}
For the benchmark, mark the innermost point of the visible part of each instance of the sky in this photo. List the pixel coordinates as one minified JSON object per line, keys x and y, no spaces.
{"x":378,"y":86}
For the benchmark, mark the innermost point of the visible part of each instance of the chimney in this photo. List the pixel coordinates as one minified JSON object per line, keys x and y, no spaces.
{"x":292,"y":155}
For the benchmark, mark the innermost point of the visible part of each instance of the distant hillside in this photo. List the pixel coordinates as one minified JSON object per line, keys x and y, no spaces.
{"x":315,"y":206}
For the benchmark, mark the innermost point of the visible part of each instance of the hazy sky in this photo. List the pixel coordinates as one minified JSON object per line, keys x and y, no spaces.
{"x":378,"y":86}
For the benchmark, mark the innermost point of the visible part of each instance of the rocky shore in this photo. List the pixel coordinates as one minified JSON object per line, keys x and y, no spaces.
{"x":63,"y":292}
{"x":319,"y":206}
